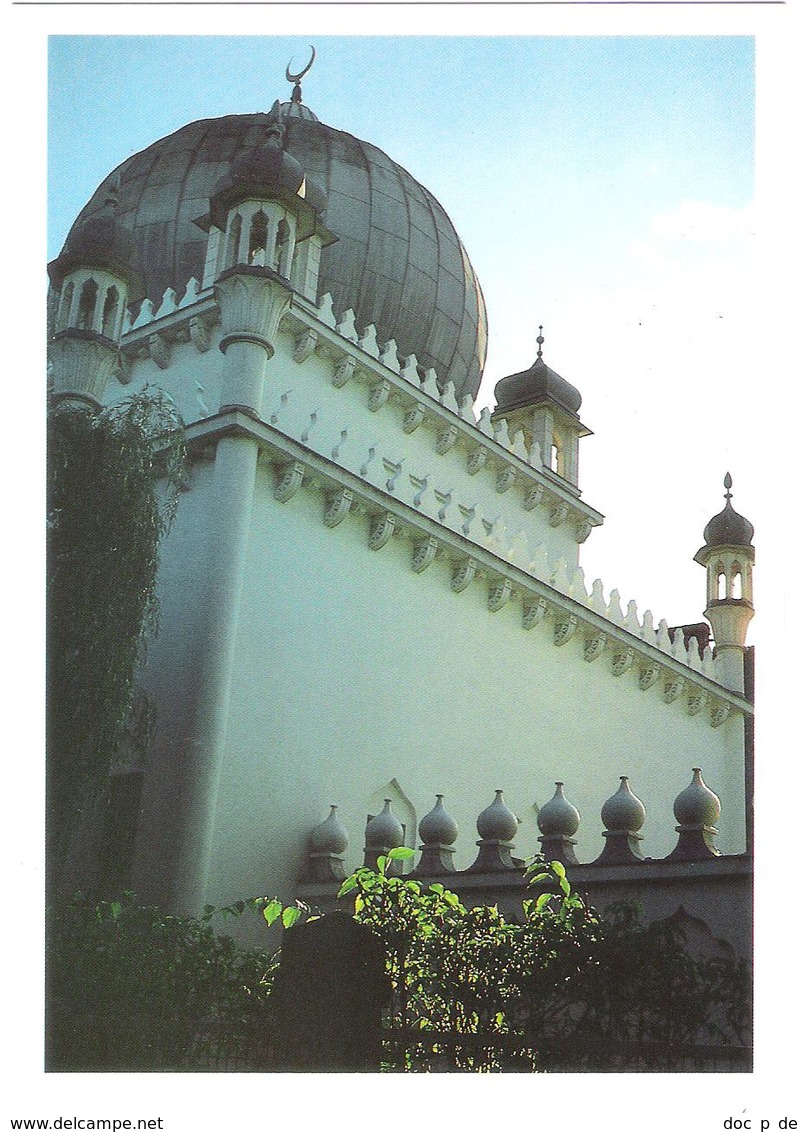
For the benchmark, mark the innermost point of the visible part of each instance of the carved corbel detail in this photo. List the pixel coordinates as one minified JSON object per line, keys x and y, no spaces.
{"x":583,"y":530}
{"x":594,"y":646}
{"x":673,"y":688}
{"x":533,"y":496}
{"x":343,"y":372}
{"x":564,"y":628}
{"x":622,"y":660}
{"x":719,"y":714}
{"x":381,"y":530}
{"x":377,"y":395}
{"x":648,"y":676}
{"x":505,"y":480}
{"x":559,"y":514}
{"x":159,"y":351}
{"x":533,"y":610}
{"x":696,"y":699}
{"x":413,"y":417}
{"x":200,"y":334}
{"x":337,"y":506}
{"x":305,"y":345}
{"x":423,"y":554}
{"x":463,"y":575}
{"x":445,"y":439}
{"x":476,"y":459}
{"x":289,"y":480}
{"x":498,"y":595}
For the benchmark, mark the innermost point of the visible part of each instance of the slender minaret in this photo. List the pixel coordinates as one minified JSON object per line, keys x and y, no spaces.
{"x":728,"y":556}
{"x":94,"y":280}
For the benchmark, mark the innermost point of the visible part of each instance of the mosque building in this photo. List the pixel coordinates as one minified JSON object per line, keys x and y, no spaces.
{"x":371,"y":594}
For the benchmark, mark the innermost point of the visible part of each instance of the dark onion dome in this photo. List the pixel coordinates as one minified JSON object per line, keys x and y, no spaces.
{"x":535,"y":385}
{"x":101,"y":240}
{"x":398,"y":261}
{"x":728,"y":528}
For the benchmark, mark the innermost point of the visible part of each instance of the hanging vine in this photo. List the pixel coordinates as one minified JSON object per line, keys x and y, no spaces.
{"x":113,"y":479}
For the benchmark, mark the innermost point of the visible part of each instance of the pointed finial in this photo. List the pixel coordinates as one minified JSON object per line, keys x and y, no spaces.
{"x":540,"y":340}
{"x":728,"y":485}
{"x":297,"y":93}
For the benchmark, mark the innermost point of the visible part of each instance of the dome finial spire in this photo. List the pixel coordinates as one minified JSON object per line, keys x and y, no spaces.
{"x":540,"y":340}
{"x":295,"y":77}
{"x":728,"y":485}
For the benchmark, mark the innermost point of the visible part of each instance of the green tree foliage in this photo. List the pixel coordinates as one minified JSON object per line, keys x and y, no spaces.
{"x":132,"y":989}
{"x":113,"y":478}
{"x":560,"y":987}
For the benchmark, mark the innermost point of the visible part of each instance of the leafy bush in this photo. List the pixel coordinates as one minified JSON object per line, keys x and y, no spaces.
{"x":132,"y":989}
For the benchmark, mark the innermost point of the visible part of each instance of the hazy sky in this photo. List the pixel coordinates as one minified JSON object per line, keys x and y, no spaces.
{"x":603,"y":186}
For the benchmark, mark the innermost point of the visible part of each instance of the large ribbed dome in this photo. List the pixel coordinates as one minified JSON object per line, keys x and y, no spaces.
{"x":398,"y":261}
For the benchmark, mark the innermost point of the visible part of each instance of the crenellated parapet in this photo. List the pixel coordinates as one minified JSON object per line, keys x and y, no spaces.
{"x":479,"y":509}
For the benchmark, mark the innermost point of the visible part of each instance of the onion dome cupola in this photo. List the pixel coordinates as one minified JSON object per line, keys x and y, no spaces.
{"x":397,"y":260}
{"x":728,"y":557}
{"x":544,"y":407}
{"x":93,"y":279}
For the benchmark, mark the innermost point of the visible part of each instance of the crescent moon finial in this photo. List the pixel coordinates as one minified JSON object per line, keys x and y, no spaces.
{"x":295,"y":78}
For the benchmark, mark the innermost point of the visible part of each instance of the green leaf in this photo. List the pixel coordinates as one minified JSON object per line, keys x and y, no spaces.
{"x":402,"y":853}
{"x":290,"y":916}
{"x":272,"y":911}
{"x":558,"y":868}
{"x":381,"y":864}
{"x":348,"y":884}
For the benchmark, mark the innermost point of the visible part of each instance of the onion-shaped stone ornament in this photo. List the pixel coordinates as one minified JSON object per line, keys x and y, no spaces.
{"x":558,"y":817}
{"x":623,"y":812}
{"x":438,"y":827}
{"x":497,"y":826}
{"x":497,"y":822}
{"x":558,"y":820}
{"x":623,"y":815}
{"x":697,"y":805}
{"x":438,"y":831}
{"x":384,"y":831}
{"x":330,"y":836}
{"x":697,"y":810}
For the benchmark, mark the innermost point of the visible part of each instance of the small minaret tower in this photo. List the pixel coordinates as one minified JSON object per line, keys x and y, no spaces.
{"x":263,"y":213}
{"x":544,"y":406}
{"x":94,"y":280}
{"x":728,"y":556}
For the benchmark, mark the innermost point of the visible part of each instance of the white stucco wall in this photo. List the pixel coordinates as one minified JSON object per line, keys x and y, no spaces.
{"x":351,"y":669}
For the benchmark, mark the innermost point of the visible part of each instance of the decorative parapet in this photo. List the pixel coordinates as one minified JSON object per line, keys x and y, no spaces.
{"x":443,"y":524}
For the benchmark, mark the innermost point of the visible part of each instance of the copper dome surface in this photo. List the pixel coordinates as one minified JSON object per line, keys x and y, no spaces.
{"x":398,"y":261}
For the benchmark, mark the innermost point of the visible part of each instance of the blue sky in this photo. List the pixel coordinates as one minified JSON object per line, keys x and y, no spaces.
{"x":603,"y":186}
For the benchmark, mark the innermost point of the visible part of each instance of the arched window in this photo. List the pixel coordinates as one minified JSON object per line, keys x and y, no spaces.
{"x":735,"y":587}
{"x":89,"y":296}
{"x":259,"y":234}
{"x":555,"y":457}
{"x":65,"y":305}
{"x":722,"y":586}
{"x":281,"y":248}
{"x":109,"y":318}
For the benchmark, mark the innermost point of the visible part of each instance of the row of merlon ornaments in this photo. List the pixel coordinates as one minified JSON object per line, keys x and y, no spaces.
{"x":696,"y":810}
